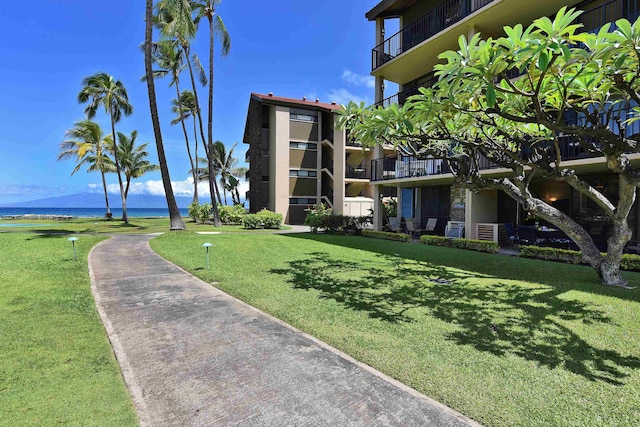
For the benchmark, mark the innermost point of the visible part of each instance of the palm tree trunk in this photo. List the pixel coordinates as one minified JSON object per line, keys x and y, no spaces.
{"x":106,"y":194}
{"x":176,"y":222}
{"x":186,"y":140}
{"x":216,"y":217}
{"x":125,"y":217}
{"x":195,"y":172}
{"x":212,"y":185}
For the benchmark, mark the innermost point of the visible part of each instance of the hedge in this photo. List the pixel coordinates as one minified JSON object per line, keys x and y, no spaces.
{"x":474,"y":245}
{"x":629,"y":262}
{"x":262,"y":219}
{"x":400,"y":237}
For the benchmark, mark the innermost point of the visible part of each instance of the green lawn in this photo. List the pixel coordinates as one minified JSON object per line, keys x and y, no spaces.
{"x":505,"y":341}
{"x":56,"y":363}
{"x":101,"y":226}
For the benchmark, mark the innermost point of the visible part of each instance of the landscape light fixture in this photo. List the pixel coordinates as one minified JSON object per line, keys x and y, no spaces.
{"x":207,"y":245}
{"x":73,"y":243}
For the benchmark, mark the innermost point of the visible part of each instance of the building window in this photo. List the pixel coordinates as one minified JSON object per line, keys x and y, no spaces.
{"x":303,"y":115}
{"x":303,"y":145}
{"x":265,"y":178}
{"x":303,"y":173}
{"x":407,"y":202}
{"x":302,"y":201}
{"x":265,"y":152}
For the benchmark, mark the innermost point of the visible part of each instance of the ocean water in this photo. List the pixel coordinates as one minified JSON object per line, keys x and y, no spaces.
{"x":90,"y":212}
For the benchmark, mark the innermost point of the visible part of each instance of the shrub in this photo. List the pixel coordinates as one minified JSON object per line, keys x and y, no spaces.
{"x":488,"y":246}
{"x":231,"y":214}
{"x":262,"y":219}
{"x":317,"y":216}
{"x":629,"y":262}
{"x":194,"y":211}
{"x":386,"y":235}
{"x":205,"y":211}
{"x":435,"y":240}
{"x":474,"y":245}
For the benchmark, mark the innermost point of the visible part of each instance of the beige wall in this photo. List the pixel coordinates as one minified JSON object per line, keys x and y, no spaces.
{"x":480,"y":207}
{"x":339,"y":142}
{"x":279,"y":156}
{"x":305,"y":159}
{"x":304,"y":131}
{"x":302,"y":187}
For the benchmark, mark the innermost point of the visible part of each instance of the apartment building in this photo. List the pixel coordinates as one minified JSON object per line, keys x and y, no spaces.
{"x":407,"y":57}
{"x":298,"y":157}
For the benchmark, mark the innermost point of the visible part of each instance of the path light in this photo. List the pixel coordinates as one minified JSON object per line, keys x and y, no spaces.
{"x":207,"y":246}
{"x":73,"y":243}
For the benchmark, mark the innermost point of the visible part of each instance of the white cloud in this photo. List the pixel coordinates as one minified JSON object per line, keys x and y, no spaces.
{"x":343,"y":96}
{"x":155,"y":188}
{"x":352,"y":78}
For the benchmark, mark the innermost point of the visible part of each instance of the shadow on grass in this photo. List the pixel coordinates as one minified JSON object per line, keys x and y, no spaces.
{"x":489,"y":314}
{"x":566,"y":276}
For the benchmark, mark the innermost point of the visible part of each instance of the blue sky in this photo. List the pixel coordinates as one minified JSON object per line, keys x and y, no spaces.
{"x":292,"y":48}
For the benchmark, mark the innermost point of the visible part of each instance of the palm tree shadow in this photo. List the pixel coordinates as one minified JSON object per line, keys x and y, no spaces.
{"x":490,"y":314}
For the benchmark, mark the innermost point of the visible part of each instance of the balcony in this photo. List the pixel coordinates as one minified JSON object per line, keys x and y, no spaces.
{"x":401,"y":97}
{"x":437,"y":19}
{"x":611,"y":11}
{"x":356,"y":172}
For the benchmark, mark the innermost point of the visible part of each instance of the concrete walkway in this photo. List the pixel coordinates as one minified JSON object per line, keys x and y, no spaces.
{"x":193,"y":355}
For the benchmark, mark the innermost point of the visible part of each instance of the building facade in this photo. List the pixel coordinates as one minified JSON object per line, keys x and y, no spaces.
{"x":298,"y":157}
{"x":407,"y":57}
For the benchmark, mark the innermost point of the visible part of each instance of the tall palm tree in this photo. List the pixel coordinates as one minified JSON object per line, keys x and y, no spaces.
{"x":185,"y":106}
{"x":86,"y":144}
{"x":101,"y":89}
{"x":169,"y":56}
{"x":176,"y":222}
{"x":207,"y":8}
{"x":174,"y":19}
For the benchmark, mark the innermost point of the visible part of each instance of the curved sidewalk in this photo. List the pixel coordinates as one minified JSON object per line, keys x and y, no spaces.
{"x":193,"y":355}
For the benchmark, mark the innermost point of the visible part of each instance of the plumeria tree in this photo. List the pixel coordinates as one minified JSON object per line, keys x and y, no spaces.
{"x":518,"y":101}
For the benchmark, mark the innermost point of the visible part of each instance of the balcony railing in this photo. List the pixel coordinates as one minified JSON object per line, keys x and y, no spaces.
{"x":357,"y":172}
{"x":437,"y":19}
{"x":401,"y":97}
{"x":611,"y":11}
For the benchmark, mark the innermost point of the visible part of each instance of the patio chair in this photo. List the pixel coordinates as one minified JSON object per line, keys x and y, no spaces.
{"x":455,"y":232}
{"x":411,"y":228}
{"x":431,"y":225}
{"x":512,"y":233}
{"x":394,"y":225}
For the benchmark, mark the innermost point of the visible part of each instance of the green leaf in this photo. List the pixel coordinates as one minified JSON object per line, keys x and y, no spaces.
{"x":491,"y":96}
{"x":543,"y":61}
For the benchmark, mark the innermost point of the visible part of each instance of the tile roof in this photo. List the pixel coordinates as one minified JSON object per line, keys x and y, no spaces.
{"x":270,"y":97}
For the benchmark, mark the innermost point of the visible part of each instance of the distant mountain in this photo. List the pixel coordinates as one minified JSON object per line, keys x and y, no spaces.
{"x":96,"y":200}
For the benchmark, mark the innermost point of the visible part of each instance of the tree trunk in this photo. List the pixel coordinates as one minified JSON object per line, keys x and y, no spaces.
{"x":125,"y":217}
{"x":106,"y":194}
{"x":195,"y":172}
{"x":176,"y":222}
{"x":213,"y":188}
{"x":186,"y":140}
{"x":216,"y":217}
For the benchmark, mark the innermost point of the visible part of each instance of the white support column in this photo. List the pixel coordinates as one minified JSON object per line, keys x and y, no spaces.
{"x":378,"y":152}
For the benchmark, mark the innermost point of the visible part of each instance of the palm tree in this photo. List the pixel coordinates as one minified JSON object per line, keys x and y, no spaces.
{"x":133,"y":160}
{"x":239,"y":174}
{"x":174,"y":20}
{"x":185,"y":106}
{"x":174,"y":213}
{"x":87,"y":145}
{"x":101,"y":89}
{"x":207,"y":8}
{"x":224,"y":162}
